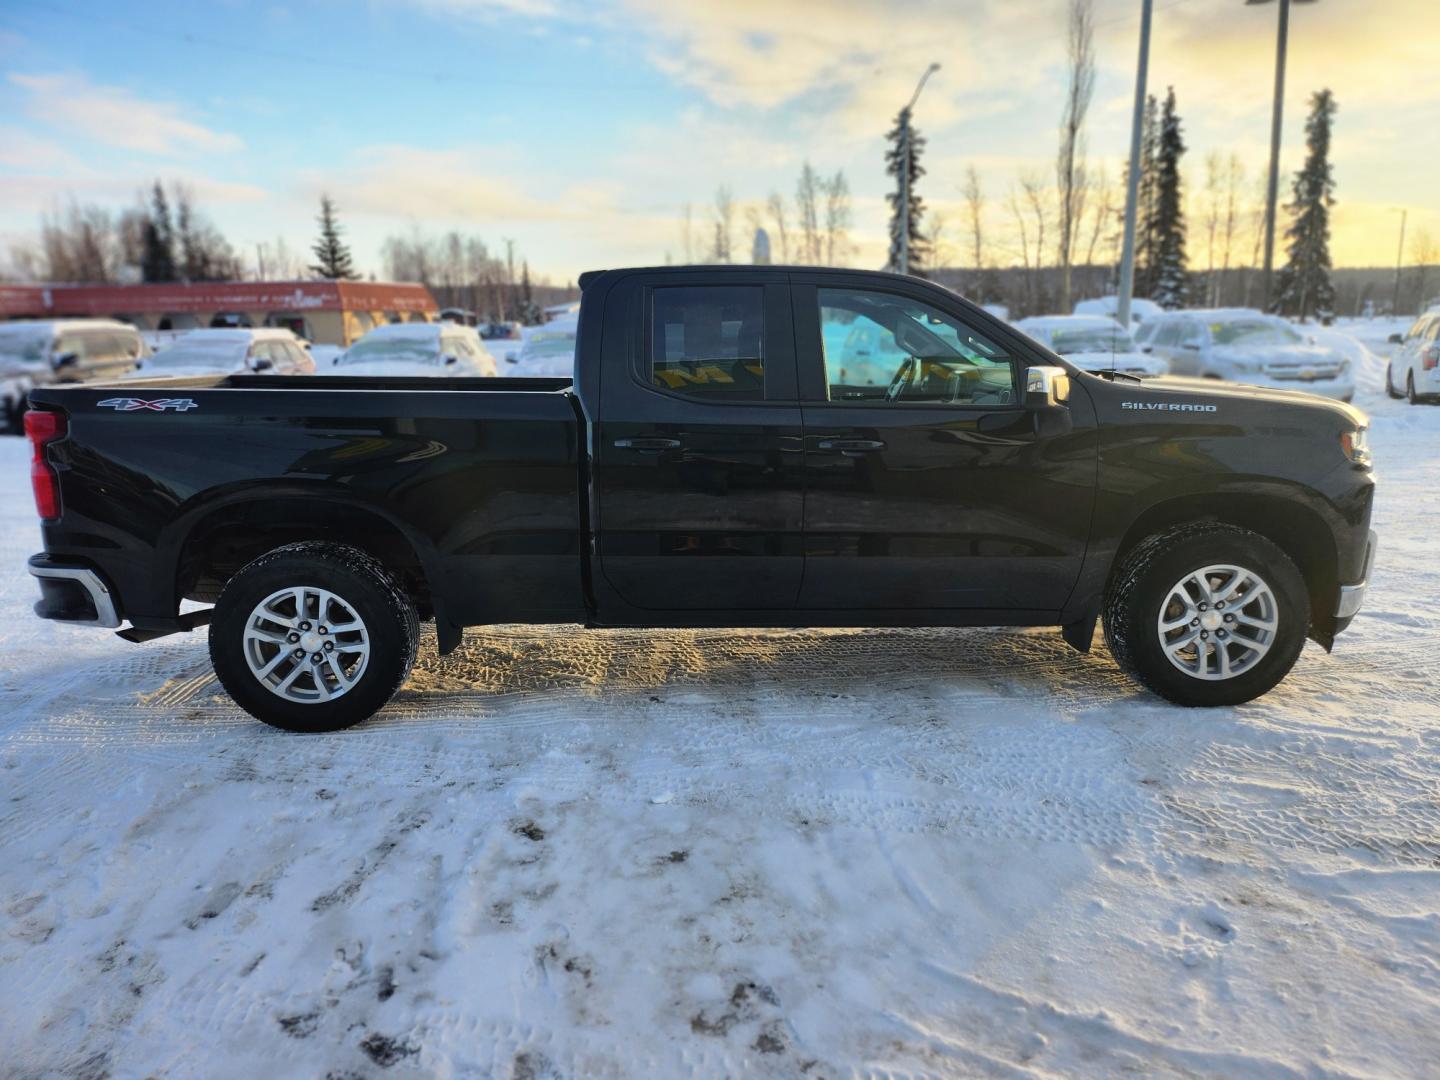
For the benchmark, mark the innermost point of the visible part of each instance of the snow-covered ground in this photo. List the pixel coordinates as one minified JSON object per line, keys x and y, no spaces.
{"x":869,"y":853}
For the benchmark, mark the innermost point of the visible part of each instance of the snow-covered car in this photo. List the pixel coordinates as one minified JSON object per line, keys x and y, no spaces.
{"x":440,"y":349}
{"x":547,"y":351}
{"x":229,"y":352}
{"x":1414,"y":370}
{"x":39,"y":353}
{"x":1247,"y":346}
{"x":1093,"y":343}
{"x":1141,"y":310}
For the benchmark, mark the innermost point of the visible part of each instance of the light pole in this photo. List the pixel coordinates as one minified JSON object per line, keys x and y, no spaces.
{"x":904,"y":164}
{"x":1272,"y":188}
{"x":1132,"y":180}
{"x":1399,"y":258}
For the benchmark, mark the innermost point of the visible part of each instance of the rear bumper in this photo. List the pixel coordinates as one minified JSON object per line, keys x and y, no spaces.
{"x":72,"y":593}
{"x":1353,"y":596}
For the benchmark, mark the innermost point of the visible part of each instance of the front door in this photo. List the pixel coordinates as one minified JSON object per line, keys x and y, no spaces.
{"x":929,"y":485}
{"x":698,"y":474}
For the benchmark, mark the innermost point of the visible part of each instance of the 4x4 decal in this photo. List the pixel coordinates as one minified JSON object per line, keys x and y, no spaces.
{"x":135,"y":404}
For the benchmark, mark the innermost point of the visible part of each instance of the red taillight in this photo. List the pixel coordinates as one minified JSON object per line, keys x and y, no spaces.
{"x":1431,"y":357}
{"x":43,"y":428}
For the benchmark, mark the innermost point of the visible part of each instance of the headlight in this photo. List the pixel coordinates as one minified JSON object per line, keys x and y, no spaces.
{"x":1356,"y":447}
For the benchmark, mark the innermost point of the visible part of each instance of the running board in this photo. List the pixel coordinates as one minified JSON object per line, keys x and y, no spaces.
{"x":183,"y":624}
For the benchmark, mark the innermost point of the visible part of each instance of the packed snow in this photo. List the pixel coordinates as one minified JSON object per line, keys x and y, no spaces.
{"x":719,"y":853}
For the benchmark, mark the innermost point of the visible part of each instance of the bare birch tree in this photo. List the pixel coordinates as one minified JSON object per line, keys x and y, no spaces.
{"x":975,"y":211}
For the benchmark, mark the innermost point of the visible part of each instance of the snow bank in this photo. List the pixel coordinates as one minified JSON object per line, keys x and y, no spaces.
{"x":724,"y":853}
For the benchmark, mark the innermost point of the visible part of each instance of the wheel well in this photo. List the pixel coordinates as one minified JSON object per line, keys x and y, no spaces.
{"x":229,"y":538}
{"x":1294,"y":528}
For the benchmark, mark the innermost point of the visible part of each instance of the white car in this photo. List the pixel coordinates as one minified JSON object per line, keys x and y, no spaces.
{"x":1141,"y":310}
{"x":1414,"y":370}
{"x":547,"y":351}
{"x":1093,"y":343}
{"x":1246,"y":346}
{"x":442,"y":350}
{"x":38,"y":353}
{"x":229,"y":352}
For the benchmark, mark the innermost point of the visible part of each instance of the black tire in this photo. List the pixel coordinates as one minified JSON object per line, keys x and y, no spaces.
{"x":364,"y":585}
{"x":1141,"y":585}
{"x":1410,"y":394}
{"x":1390,"y":390}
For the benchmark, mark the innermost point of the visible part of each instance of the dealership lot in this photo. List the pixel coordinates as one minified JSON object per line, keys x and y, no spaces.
{"x":794,"y":852}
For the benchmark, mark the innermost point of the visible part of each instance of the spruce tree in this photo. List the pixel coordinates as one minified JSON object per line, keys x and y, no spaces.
{"x":332,"y":255}
{"x":1146,"y":241}
{"x":1171,"y":282}
{"x":904,"y":153}
{"x":1305,"y":288}
{"x":157,"y":240}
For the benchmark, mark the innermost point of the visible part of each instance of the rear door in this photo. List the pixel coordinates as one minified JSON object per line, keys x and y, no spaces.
{"x":698,"y":457}
{"x":928,"y":484}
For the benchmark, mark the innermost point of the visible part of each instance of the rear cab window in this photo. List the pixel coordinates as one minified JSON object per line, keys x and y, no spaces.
{"x":707,"y":342}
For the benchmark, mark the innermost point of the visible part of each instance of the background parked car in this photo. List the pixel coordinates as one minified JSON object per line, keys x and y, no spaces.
{"x":443,"y":350}
{"x":1141,"y":310}
{"x":499,"y":331}
{"x":1247,"y":346}
{"x":54,"y":351}
{"x":1414,"y":370}
{"x":547,"y":351}
{"x":230,"y":352}
{"x":1093,"y":342}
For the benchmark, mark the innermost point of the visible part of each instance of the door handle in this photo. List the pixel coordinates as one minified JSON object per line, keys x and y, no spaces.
{"x":851,"y":446}
{"x":647,"y":446}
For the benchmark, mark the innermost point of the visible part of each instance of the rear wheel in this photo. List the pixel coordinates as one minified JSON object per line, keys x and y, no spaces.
{"x":1207,"y":614}
{"x":313,"y":637}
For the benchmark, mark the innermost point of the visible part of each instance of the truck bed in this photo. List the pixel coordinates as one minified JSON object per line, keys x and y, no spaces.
{"x":341,"y":382}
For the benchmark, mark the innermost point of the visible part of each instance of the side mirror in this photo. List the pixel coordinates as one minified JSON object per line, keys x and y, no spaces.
{"x":263,"y":363}
{"x":1396,"y":339}
{"x":1147,"y":348}
{"x":512,"y":359}
{"x":451,"y":358}
{"x":65,"y":360}
{"x":1046,"y":387}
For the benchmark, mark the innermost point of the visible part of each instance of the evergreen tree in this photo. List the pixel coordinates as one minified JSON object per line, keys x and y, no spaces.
{"x":1145,"y":239}
{"x":1170,"y":280}
{"x":904,"y":154}
{"x":331,"y":253}
{"x":157,"y":258}
{"x":1305,"y":288}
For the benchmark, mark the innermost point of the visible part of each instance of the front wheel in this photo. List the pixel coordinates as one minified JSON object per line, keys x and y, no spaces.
{"x":1390,"y":390}
{"x":1207,"y":614}
{"x":313,"y":637}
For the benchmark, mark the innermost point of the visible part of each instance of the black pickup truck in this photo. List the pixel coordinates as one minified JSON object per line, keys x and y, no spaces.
{"x":740,"y":446}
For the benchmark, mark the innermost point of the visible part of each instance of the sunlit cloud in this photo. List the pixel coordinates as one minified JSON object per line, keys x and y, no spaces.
{"x":114,"y":116}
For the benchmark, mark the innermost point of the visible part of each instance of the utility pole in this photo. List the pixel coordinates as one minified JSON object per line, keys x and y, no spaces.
{"x":904,"y":267}
{"x":1132,"y":181}
{"x":1399,"y":258}
{"x":1273,"y":186}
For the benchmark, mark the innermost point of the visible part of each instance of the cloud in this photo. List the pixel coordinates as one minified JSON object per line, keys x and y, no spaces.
{"x":114,"y":116}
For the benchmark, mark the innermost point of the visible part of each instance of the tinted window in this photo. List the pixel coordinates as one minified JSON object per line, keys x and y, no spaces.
{"x":1191,"y":334}
{"x":709,"y":341}
{"x":883,"y":347}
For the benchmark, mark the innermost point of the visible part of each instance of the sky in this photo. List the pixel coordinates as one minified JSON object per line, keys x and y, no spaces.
{"x":581,"y":130}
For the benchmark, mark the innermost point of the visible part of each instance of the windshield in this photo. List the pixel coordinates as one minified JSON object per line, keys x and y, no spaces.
{"x":219,"y":355}
{"x":1253,"y":332}
{"x":1091,"y":339}
{"x":549,"y":344}
{"x":23,"y":343}
{"x":393,"y":350}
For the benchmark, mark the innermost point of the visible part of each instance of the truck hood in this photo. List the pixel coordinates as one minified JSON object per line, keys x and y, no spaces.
{"x":1181,"y":390}
{"x":1125,"y":361}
